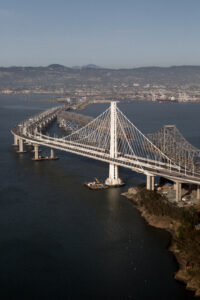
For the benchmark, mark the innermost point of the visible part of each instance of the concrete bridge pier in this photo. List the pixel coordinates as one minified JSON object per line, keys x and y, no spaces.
{"x":113,"y":179}
{"x":36,"y":152}
{"x":52,"y":156}
{"x":21,"y":146}
{"x":15,"y":140}
{"x":150,"y":183}
{"x":178,"y":191}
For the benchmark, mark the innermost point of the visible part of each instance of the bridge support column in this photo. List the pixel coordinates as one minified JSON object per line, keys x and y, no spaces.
{"x":15,"y":140}
{"x":21,"y":146}
{"x":36,"y":152}
{"x":113,"y":179}
{"x":198,"y":191}
{"x":178,"y":191}
{"x":150,"y":183}
{"x":52,"y":153}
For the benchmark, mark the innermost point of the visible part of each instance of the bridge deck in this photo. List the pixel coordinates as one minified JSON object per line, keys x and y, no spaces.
{"x":145,"y":165}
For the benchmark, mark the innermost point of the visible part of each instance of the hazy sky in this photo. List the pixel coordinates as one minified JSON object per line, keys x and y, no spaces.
{"x":110,"y":33}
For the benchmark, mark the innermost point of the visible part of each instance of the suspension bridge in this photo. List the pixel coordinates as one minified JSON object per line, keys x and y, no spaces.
{"x":114,"y":139}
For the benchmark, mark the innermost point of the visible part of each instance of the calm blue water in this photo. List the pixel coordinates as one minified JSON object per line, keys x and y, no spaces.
{"x":58,"y":240}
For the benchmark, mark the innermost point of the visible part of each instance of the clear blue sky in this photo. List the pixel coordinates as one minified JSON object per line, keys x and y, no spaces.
{"x":110,"y":33}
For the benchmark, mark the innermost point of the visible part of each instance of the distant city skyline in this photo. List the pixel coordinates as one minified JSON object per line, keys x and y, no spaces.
{"x":111,"y":34}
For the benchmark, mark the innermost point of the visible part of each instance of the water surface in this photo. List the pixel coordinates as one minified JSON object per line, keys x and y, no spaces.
{"x":58,"y":240}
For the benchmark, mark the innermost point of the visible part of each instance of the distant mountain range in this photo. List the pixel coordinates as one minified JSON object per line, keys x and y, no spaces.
{"x":57,"y":76}
{"x":90,"y":66}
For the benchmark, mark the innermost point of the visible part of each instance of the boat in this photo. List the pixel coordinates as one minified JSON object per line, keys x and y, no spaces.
{"x":96,"y":185}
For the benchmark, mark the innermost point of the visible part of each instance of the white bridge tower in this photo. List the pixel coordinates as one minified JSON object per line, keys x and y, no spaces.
{"x":113,"y":179}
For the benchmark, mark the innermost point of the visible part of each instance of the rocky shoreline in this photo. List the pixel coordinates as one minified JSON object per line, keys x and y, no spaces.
{"x":171,"y":225}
